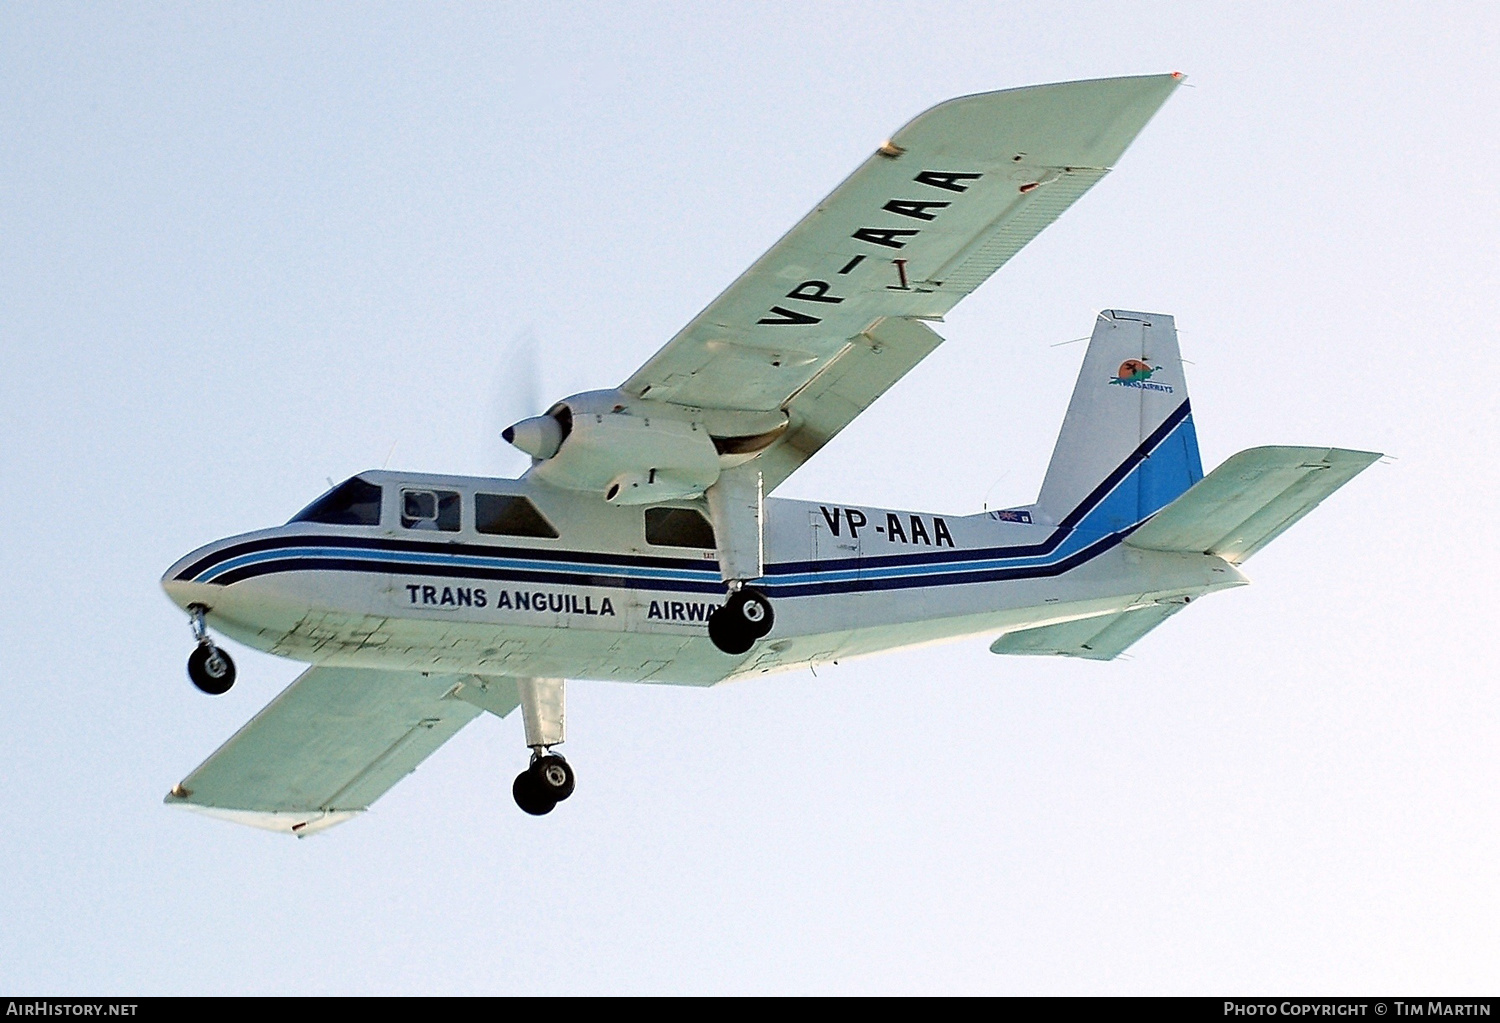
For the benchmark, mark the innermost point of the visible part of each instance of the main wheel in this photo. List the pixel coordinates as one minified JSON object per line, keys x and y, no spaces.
{"x":729,"y":635}
{"x":530,"y":796}
{"x":554,"y":777}
{"x":745,"y":617}
{"x":211,"y":670}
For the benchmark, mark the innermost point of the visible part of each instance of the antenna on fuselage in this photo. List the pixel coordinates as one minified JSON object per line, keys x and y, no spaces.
{"x":985,"y":504}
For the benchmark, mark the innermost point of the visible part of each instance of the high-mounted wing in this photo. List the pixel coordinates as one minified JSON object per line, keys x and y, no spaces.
{"x":333,"y":742}
{"x":941,"y":206}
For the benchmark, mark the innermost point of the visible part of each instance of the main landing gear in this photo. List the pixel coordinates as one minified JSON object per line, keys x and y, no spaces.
{"x":744,"y":618}
{"x":549,"y":779}
{"x":210,"y":668}
{"x":736,"y":509}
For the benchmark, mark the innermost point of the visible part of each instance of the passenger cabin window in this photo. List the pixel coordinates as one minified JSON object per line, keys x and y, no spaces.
{"x":678,"y":527}
{"x":508,"y":515}
{"x":352,"y":503}
{"x":430,"y":509}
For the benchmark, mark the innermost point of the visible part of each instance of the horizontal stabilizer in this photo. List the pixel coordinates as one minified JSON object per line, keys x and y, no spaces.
{"x":1102,"y":638}
{"x":1248,"y":501}
{"x":331,"y":744}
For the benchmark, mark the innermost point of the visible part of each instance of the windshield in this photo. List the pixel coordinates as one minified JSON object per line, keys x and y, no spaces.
{"x":352,"y":503}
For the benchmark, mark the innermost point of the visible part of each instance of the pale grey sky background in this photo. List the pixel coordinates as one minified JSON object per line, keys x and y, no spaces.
{"x":247,"y":248}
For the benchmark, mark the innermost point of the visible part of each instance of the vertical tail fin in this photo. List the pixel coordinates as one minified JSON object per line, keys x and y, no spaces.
{"x":1127,"y":447}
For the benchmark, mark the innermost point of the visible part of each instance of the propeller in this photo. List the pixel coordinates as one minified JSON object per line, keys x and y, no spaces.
{"x":517,"y":397}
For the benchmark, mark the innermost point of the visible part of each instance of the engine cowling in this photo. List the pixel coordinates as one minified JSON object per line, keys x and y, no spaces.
{"x":599,"y":442}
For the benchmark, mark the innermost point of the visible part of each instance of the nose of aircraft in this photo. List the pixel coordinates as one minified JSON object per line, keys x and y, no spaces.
{"x":177,"y":590}
{"x":176,"y":582}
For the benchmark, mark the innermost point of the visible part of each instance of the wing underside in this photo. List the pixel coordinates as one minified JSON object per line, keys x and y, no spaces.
{"x":332,"y":743}
{"x":922,"y":223}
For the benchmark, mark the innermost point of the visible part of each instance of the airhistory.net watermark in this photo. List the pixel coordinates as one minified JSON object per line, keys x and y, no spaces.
{"x":60,"y":1007}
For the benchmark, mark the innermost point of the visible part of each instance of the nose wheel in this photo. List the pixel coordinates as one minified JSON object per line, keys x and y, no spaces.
{"x":547,"y":782}
{"x":744,"y":618}
{"x":209,"y":668}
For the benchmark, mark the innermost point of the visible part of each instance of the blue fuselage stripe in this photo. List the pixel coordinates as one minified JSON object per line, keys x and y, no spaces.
{"x":1098,"y":523}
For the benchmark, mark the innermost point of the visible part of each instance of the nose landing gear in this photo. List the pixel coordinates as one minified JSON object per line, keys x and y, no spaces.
{"x":210,"y":668}
{"x":745,"y":617}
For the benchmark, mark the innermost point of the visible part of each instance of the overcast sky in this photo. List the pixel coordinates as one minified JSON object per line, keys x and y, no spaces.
{"x":246,"y":249}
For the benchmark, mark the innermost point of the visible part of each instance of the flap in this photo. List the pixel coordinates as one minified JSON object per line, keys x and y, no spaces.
{"x":849,"y":384}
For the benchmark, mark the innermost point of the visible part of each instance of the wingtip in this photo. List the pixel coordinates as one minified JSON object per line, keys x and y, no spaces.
{"x":297,"y":823}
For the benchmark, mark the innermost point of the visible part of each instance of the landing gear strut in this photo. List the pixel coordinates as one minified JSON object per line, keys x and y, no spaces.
{"x":745,"y":617}
{"x":210,"y":668}
{"x":736,"y":509}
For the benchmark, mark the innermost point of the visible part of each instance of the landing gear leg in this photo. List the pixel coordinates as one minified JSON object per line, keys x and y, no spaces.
{"x":210,"y":668}
{"x":735,"y":505}
{"x":549,"y":778}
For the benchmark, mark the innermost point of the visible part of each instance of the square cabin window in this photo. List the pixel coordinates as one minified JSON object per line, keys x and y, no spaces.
{"x":509,"y":515}
{"x":678,"y":527}
{"x":430,"y":509}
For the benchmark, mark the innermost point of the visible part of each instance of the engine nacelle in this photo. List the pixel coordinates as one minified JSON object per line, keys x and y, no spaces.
{"x":602,"y":442}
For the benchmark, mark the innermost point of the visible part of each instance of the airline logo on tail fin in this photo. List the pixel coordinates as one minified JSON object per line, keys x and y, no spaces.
{"x":1135,"y":373}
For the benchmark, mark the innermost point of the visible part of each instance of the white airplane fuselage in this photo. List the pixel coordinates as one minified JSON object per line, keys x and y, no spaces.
{"x":601,"y":602}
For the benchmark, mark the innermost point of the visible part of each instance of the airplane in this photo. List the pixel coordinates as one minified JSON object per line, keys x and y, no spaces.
{"x":643,"y":543}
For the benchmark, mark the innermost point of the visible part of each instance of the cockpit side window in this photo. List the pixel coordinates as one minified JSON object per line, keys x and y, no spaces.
{"x":430,"y":509}
{"x":352,"y":503}
{"x":678,"y":527}
{"x":510,"y":515}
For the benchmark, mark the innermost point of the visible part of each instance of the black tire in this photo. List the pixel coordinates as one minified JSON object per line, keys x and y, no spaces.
{"x":554,"y":776}
{"x":211,"y":670}
{"x":745,"y":617}
{"x":728,"y":631}
{"x":529,"y":795}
